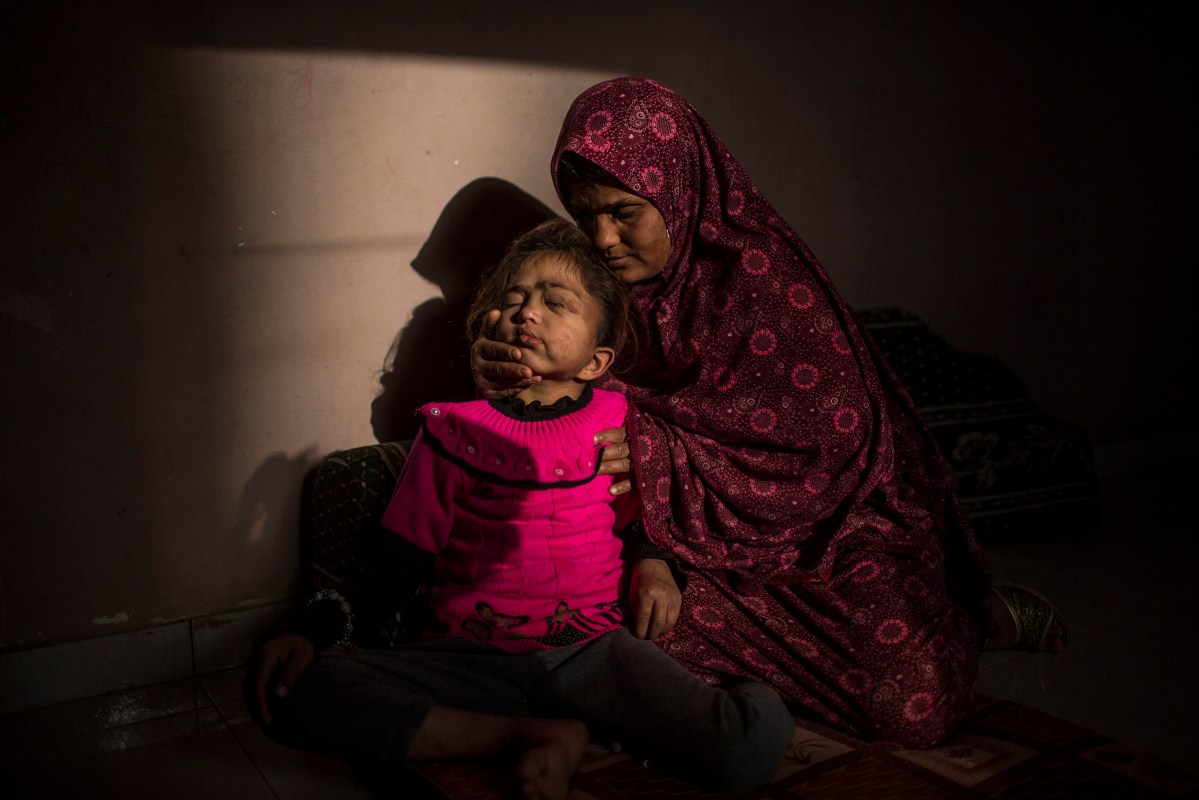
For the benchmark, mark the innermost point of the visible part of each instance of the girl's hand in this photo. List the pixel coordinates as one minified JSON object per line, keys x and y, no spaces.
{"x":654,"y":599}
{"x":615,"y":460}
{"x":278,"y":665}
{"x":494,"y":364}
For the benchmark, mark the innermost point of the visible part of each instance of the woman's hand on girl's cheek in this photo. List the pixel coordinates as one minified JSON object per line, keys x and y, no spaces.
{"x":494,"y":364}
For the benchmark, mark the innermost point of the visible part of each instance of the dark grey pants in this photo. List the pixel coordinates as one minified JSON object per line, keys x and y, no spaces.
{"x":370,"y":704}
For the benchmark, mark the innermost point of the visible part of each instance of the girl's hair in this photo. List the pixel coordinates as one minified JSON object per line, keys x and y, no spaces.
{"x":563,"y":238}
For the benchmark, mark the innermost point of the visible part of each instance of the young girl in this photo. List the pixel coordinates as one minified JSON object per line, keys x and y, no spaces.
{"x":527,"y":652}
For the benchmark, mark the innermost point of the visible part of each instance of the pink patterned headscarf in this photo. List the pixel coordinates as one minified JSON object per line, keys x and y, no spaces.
{"x":766,"y":433}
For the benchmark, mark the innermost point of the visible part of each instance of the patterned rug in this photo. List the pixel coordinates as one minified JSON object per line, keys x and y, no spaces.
{"x":1003,"y":750}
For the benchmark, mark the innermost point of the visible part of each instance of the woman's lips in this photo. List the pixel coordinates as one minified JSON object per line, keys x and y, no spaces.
{"x":527,"y":338}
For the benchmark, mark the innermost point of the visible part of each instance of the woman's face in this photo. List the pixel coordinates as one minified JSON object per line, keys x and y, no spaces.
{"x":626,"y":228}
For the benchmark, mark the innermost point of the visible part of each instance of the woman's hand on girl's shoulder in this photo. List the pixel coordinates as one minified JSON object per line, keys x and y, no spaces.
{"x":495,"y":366}
{"x":615,"y":460}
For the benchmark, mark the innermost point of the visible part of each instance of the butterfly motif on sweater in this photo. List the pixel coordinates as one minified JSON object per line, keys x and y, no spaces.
{"x":489,"y":620}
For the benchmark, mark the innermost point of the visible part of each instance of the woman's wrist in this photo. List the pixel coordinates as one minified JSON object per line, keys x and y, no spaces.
{"x":647,"y":553}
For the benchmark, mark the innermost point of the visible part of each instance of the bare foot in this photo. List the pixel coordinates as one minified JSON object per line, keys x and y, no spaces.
{"x":553,"y":749}
{"x":1003,"y":621}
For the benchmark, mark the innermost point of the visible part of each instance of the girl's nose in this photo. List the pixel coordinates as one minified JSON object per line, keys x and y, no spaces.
{"x":527,"y":312}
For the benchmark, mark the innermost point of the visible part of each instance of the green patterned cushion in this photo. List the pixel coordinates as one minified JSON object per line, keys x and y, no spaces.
{"x":350,"y":492}
{"x":1020,"y":473}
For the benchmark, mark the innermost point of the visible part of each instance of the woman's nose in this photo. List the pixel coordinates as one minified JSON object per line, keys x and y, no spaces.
{"x":605,"y":234}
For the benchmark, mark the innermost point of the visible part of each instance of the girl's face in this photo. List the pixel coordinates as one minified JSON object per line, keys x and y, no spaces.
{"x":626,"y":228}
{"x":548,"y":313}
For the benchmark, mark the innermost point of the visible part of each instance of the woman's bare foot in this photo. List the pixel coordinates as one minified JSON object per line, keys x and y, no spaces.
{"x":1009,"y":632}
{"x":553,"y":749}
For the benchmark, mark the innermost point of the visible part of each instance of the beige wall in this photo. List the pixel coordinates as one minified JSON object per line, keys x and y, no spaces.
{"x":209,"y":224}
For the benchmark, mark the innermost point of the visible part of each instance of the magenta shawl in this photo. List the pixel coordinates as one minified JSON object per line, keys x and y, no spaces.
{"x":767,"y":433}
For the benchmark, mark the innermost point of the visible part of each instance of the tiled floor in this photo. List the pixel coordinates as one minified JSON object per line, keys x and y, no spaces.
{"x":1131,"y":598}
{"x":1129,"y":595}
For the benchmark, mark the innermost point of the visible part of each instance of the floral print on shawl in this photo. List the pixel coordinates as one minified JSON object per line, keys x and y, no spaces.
{"x":771,"y":445}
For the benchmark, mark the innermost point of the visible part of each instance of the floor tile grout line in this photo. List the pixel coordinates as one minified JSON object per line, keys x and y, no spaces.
{"x":191,"y":640}
{"x":250,"y":757}
{"x":204,"y":685}
{"x":230,"y":727}
{"x":995,"y":661}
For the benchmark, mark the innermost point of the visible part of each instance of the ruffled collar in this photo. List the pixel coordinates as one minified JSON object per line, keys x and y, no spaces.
{"x":534,"y":411}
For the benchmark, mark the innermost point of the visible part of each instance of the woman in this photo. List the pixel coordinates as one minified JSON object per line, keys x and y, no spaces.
{"x":776,"y":456}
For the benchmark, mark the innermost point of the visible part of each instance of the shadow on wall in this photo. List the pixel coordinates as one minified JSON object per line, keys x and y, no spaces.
{"x":430,"y":358}
{"x":268,"y":502}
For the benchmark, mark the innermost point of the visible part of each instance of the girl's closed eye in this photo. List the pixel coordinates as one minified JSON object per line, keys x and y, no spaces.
{"x":559,"y":301}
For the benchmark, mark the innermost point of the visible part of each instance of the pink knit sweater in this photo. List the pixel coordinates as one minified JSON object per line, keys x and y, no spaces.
{"x":521,"y":523}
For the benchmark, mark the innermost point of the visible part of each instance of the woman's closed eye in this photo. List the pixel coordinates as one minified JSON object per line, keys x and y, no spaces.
{"x":585,"y":218}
